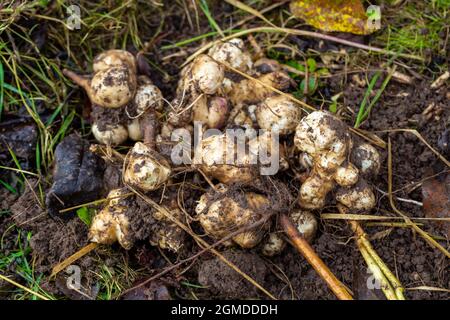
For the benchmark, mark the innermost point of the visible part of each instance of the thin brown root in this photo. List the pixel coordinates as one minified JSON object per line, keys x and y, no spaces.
{"x":82,"y":81}
{"x":314,"y":260}
{"x":77,"y":255}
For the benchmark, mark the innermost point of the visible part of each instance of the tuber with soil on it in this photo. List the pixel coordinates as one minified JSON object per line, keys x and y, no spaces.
{"x":126,"y":219}
{"x":221,"y":212}
{"x":111,"y":224}
{"x":327,"y":140}
{"x":337,"y":164}
{"x":110,"y":86}
{"x":120,"y":97}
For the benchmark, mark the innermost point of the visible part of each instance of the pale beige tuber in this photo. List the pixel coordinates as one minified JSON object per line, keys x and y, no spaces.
{"x":230,"y":212}
{"x":111,"y":224}
{"x":328,"y":144}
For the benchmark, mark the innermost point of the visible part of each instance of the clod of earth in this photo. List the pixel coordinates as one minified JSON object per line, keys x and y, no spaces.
{"x":77,"y":176}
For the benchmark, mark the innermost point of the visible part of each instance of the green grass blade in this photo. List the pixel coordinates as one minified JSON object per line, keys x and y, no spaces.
{"x":2,"y":80}
{"x":8,"y":186}
{"x":362,"y":108}
{"x":207,"y":12}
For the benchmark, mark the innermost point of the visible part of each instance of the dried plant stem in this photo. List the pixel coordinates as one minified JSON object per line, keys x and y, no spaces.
{"x":378,"y":274}
{"x":300,"y":33}
{"x":18,"y":285}
{"x":311,"y":256}
{"x":390,"y":285}
{"x":77,"y":255}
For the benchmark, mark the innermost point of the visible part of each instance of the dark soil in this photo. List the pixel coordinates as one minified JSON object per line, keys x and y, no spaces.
{"x":287,"y":276}
{"x":53,"y":239}
{"x":225,"y":283}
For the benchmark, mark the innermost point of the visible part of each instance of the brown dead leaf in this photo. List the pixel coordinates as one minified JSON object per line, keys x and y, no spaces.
{"x":338,"y":15}
{"x":436,"y":201}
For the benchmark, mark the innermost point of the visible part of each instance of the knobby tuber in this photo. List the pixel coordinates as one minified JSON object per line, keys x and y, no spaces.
{"x":327,"y":140}
{"x":111,"y":224}
{"x":145,"y":169}
{"x":228,"y":212}
{"x":125,"y":220}
{"x":120,"y":97}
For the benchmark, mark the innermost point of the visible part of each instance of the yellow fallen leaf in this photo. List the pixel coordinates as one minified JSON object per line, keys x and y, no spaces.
{"x":337,"y":15}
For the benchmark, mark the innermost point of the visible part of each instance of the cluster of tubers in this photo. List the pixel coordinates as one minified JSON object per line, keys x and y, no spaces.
{"x":326,"y":140}
{"x":215,"y":90}
{"x":120,"y":97}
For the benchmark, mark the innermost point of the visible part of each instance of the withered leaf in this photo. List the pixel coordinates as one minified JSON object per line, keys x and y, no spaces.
{"x":436,"y":200}
{"x":338,"y":15}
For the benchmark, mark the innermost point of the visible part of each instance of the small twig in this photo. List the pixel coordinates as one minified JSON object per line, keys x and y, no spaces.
{"x":314,"y":260}
{"x":77,"y":255}
{"x":23,"y":287}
